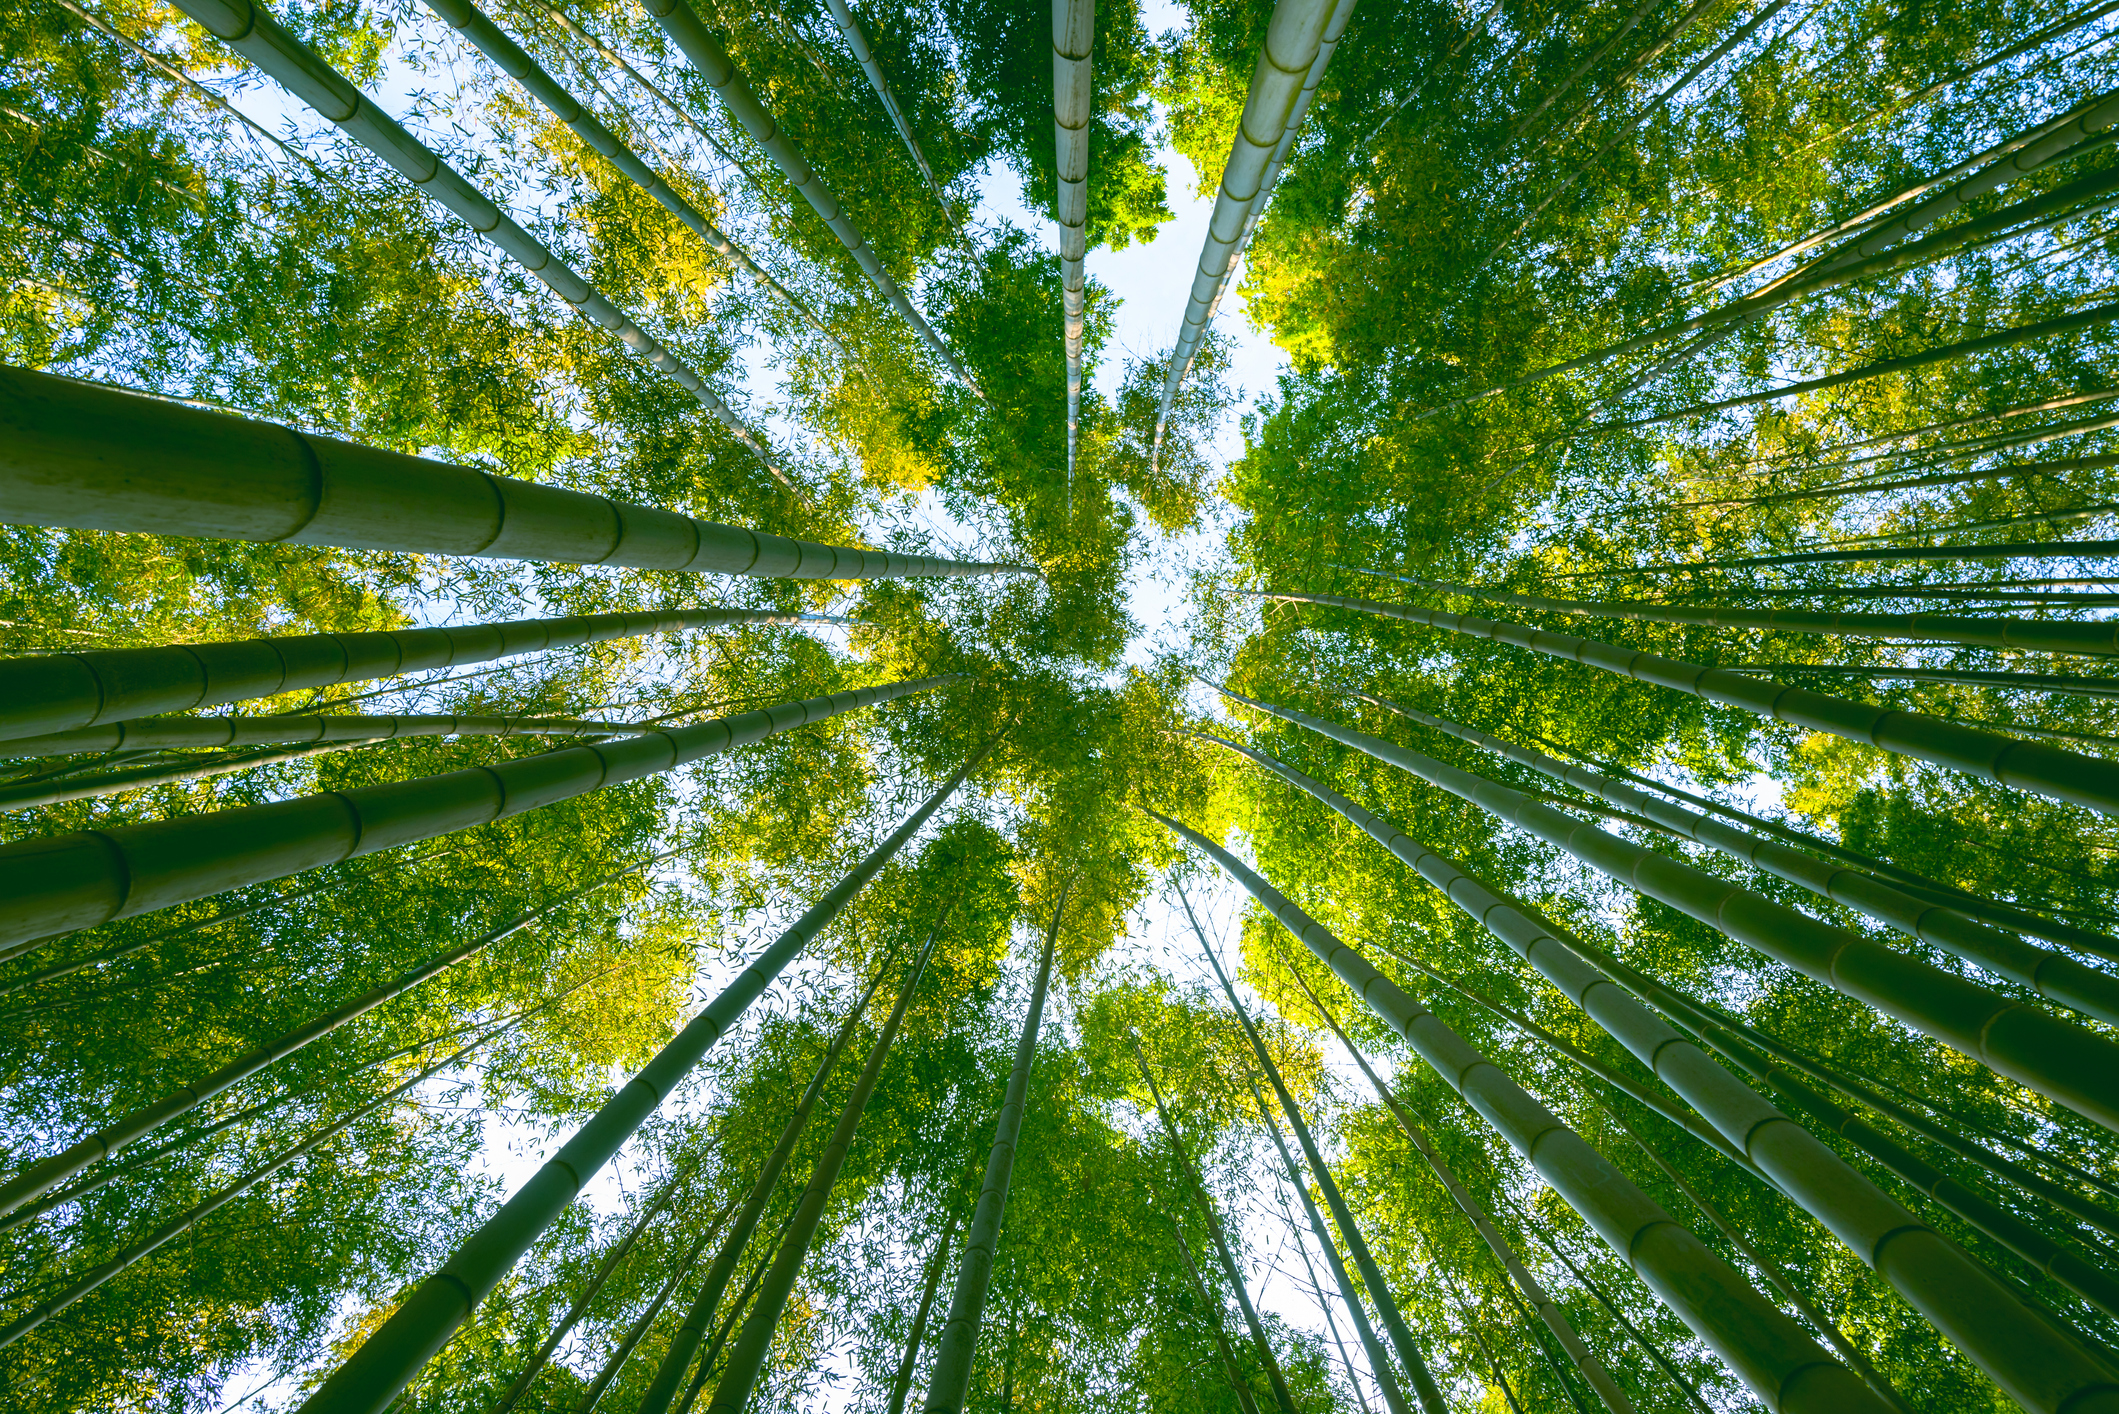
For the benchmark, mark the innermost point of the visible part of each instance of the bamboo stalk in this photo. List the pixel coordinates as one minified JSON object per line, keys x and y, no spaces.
{"x":245,"y":27}
{"x":2066,"y":684}
{"x":753,"y":1343}
{"x":2038,"y":1366}
{"x":1212,"y":1310}
{"x":77,"y":454}
{"x":1073,"y":105}
{"x":373,"y":1376}
{"x":949,"y":1382}
{"x":1791,"y":1373}
{"x":713,"y":64}
{"x":188,"y":733}
{"x":850,"y":27}
{"x":2064,"y":775}
{"x":901,"y":1382}
{"x":635,"y":1333}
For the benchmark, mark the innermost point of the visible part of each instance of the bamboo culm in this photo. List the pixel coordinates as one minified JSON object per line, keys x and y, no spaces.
{"x":509,"y":57}
{"x":712,"y":1352}
{"x":2065,"y":684}
{"x":753,"y":1344}
{"x":94,"y":458}
{"x":1073,"y":105}
{"x":244,"y":27}
{"x":901,"y":1382}
{"x":1260,"y":1342}
{"x":2025,"y":765}
{"x":662,"y":1389}
{"x":40,"y":1177}
{"x":1408,"y":1350}
{"x":82,"y":880}
{"x":949,"y":1382}
{"x":373,"y":1376}
{"x":713,"y":64}
{"x":1349,"y":1295}
{"x":202,"y":733}
{"x":2040,"y":1051}
{"x":850,"y":28}
{"x":1293,"y":36}
{"x":1211,"y":1312}
{"x":635,"y":1333}
{"x":1791,"y":1373}
{"x":2058,"y":979}
{"x":1633,"y":1332}
{"x":2036,"y":1365}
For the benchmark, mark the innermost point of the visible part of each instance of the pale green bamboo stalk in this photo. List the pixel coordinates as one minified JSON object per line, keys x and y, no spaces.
{"x":1790,"y":1372}
{"x":637,"y":1332}
{"x":508,"y":56}
{"x":1349,"y":1296}
{"x":2040,"y":1367}
{"x":1211,"y":1312}
{"x":949,"y":1382}
{"x":736,"y":1309}
{"x":1073,"y":105}
{"x":201,"y":733}
{"x":1315,"y":1289}
{"x":108,"y":783}
{"x":45,"y":1174}
{"x":857,"y":41}
{"x":82,"y":880}
{"x":901,"y":1382}
{"x":373,"y":1376}
{"x":1293,"y":36}
{"x":713,"y":64}
{"x":81,"y":455}
{"x":1409,"y":1353}
{"x":2065,"y":684}
{"x":2059,"y":979}
{"x":1625,"y":1323}
{"x":754,"y":1341}
{"x":245,"y":27}
{"x":1190,"y":1172}
{"x":2064,"y":775}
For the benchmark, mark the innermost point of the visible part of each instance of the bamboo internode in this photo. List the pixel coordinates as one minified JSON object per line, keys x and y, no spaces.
{"x":244,"y":27}
{"x":2026,"y":765}
{"x":1073,"y":104}
{"x":373,"y":1376}
{"x":1791,"y":1373}
{"x":76,"y":454}
{"x":81,"y":880}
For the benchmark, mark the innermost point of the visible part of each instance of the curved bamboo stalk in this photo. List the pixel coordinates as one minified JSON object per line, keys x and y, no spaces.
{"x":2038,"y":1366}
{"x":753,"y":1343}
{"x":1211,"y":1311}
{"x":1259,"y":1340}
{"x":245,"y":27}
{"x":901,"y":1382}
{"x":1073,"y":105}
{"x":508,"y":56}
{"x":2053,"y":1056}
{"x":373,"y":1376}
{"x":1409,"y":1352}
{"x":850,"y":27}
{"x":2064,"y":775}
{"x":1293,"y":37}
{"x":43,"y":1175}
{"x":186,"y":733}
{"x":669,"y":1373}
{"x":2058,"y":979}
{"x":681,"y":23}
{"x":949,"y":1382}
{"x":1791,"y":1373}
{"x":77,"y":454}
{"x":1349,"y":1296}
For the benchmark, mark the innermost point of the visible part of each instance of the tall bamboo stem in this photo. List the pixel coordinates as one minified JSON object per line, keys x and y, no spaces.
{"x":1073,"y":105}
{"x":901,"y":1382}
{"x":850,"y":27}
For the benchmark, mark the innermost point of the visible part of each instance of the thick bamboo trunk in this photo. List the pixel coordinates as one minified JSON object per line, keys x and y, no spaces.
{"x":1211,"y":1312}
{"x":1585,"y":1361}
{"x":669,"y":1374}
{"x":1073,"y":105}
{"x":713,"y":64}
{"x":2036,"y":1365}
{"x":1409,"y":1353}
{"x":80,"y":455}
{"x":45,"y":1174}
{"x":2053,"y":1056}
{"x":1791,"y":1373}
{"x":64,"y":882}
{"x":508,"y":56}
{"x":901,"y":1382}
{"x":949,"y":1382}
{"x":1349,"y":1295}
{"x":2064,"y":775}
{"x":244,"y":27}
{"x":865,"y":57}
{"x":1260,"y":1342}
{"x":1293,"y":37}
{"x":754,"y":1341}
{"x":2059,"y":979}
{"x":372,"y":1377}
